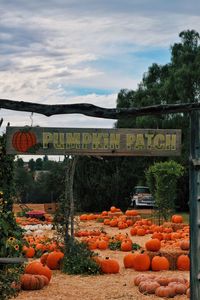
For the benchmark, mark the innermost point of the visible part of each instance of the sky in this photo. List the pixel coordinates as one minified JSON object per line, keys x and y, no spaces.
{"x":83,"y":51}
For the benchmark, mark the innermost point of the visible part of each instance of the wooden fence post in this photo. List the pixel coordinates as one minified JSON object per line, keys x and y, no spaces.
{"x":194,"y":205}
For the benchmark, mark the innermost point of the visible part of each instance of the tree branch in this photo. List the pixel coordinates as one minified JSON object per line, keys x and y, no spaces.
{"x":96,"y":111}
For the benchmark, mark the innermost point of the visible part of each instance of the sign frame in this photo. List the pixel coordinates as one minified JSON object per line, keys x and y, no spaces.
{"x":93,"y":141}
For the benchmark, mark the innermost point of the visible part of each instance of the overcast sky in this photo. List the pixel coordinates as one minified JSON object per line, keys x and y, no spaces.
{"x":70,"y":51}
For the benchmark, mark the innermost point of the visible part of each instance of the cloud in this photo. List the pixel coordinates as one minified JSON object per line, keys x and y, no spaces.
{"x":50,"y":52}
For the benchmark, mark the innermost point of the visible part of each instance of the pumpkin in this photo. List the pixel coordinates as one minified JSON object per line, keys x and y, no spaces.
{"x":178,"y":280}
{"x":129,"y":260}
{"x":22,"y":141}
{"x":141,"y":232}
{"x":148,"y":287}
{"x":32,"y":282}
{"x":142,"y":262}
{"x":159,"y":263}
{"x":177,"y":219}
{"x":133,"y":231}
{"x":143,"y":277}
{"x":183,"y":263}
{"x":185,"y":245}
{"x":43,"y":258}
{"x":179,"y":288}
{"x":126,"y":245}
{"x":102,"y":245}
{"x":37,"y":268}
{"x":164,"y":281}
{"x":53,"y":260}
{"x":113,"y":209}
{"x":29,"y":252}
{"x":157,"y":235}
{"x":109,"y":266}
{"x":165,"y":291}
{"x":153,"y":245}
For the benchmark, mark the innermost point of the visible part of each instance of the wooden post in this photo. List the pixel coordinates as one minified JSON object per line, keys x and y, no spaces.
{"x":195,"y":205}
{"x":73,"y":167}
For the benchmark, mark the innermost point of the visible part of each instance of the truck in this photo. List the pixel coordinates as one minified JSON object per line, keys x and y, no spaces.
{"x":141,"y":197}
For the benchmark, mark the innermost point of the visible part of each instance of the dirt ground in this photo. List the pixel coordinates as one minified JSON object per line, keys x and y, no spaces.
{"x":98,"y":287}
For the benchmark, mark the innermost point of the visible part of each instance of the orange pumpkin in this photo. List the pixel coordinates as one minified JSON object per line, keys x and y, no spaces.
{"x":109,"y":266}
{"x":37,"y":268}
{"x":129,"y":260}
{"x":22,"y":141}
{"x":53,"y":260}
{"x":126,"y":245}
{"x":159,"y":263}
{"x":32,"y":282}
{"x":29,"y":252}
{"x":185,"y":245}
{"x":153,"y":245}
{"x":177,"y":219}
{"x":183,"y":263}
{"x":142,"y":262}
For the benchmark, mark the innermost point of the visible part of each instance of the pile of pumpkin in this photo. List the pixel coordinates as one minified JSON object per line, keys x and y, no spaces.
{"x":108,"y":215}
{"x":38,"y":273}
{"x":36,"y":246}
{"x":141,"y":261}
{"x":162,"y":286}
{"x":32,"y":221}
{"x":102,"y":241}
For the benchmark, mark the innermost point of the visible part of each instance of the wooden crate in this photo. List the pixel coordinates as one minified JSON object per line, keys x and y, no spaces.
{"x":51,"y":207}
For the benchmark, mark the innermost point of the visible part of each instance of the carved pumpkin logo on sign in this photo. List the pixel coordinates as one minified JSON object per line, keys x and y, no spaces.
{"x":22,"y":141}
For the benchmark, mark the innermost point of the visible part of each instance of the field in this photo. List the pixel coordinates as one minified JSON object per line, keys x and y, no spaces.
{"x":100,"y":287}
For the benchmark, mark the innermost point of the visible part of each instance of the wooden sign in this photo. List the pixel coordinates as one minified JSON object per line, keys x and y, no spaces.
{"x":90,"y":141}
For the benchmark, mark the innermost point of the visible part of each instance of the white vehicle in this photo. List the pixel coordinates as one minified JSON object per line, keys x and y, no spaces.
{"x":142,"y":197}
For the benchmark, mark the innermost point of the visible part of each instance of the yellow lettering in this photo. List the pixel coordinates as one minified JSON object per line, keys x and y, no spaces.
{"x":170,"y":141}
{"x":130,"y":140}
{"x":86,"y":140}
{"x":105,"y":140}
{"x":47,"y":139}
{"x":73,"y":140}
{"x":58,"y":140}
{"x":159,"y":141}
{"x":114,"y":140}
{"x":139,"y":143}
{"x":149,"y":138}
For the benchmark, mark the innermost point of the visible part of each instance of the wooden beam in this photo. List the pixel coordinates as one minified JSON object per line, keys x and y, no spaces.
{"x":96,"y":111}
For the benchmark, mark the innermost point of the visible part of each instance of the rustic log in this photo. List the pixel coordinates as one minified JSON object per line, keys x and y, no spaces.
{"x":96,"y":111}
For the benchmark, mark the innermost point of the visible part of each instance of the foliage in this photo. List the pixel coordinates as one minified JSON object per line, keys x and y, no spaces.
{"x":9,"y":280}
{"x":78,"y":259}
{"x":162,"y":180}
{"x":11,"y":233}
{"x":114,"y":245}
{"x":135,"y":246}
{"x":175,"y":82}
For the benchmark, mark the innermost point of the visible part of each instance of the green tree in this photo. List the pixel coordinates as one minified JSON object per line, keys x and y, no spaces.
{"x":177,"y":81}
{"x":162,"y":179}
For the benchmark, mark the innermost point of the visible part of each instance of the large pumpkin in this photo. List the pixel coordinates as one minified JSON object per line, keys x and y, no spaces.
{"x":53,"y":260}
{"x":153,"y":245}
{"x":183,"y":263}
{"x":32,"y":282}
{"x":142,"y":262}
{"x":129,"y":260}
{"x":37,"y":268}
{"x":159,"y":263}
{"x":109,"y":266}
{"x":22,"y":141}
